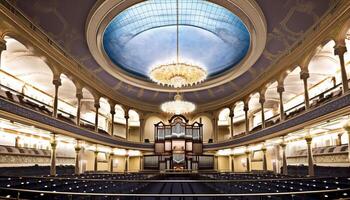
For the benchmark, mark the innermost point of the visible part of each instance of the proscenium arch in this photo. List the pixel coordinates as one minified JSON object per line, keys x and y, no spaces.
{"x":247,"y":10}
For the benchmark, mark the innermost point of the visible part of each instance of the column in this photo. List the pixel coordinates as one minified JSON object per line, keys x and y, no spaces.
{"x":247,"y":153}
{"x":304,"y":75}
{"x":2,"y":47}
{"x":310,"y":158}
{"x":284,"y":159}
{"x":340,"y":50}
{"x":231,"y":121}
{"x":230,"y":163}
{"x":97,"y":106}
{"x":112,"y":119}
{"x":339,"y":139}
{"x":111,"y":156}
{"x":215,"y":124}
{"x":142,"y":128}
{"x":79,"y":97}
{"x":264,"y":159}
{"x":347,"y":129}
{"x":126,"y":126}
{"x":126,"y":163}
{"x":233,"y":163}
{"x":262,"y":102}
{"x":53,"y":155}
{"x":57,"y":83}
{"x":216,"y":163}
{"x":96,"y":161}
{"x":280,"y":90}
{"x":141,"y":163}
{"x":246,"y":109}
{"x":77,"y":160}
{"x":17,"y":141}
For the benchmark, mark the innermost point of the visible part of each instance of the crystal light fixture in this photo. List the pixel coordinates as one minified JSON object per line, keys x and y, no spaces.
{"x":178,"y":106}
{"x":177,"y":74}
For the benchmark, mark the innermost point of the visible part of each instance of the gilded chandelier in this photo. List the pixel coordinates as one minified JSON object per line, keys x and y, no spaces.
{"x":178,"y":74}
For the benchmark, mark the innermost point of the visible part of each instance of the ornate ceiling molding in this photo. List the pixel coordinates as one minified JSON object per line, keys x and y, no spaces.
{"x":247,"y":10}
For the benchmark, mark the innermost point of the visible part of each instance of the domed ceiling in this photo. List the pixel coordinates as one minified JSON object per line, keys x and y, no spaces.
{"x":144,"y":35}
{"x":220,"y":38}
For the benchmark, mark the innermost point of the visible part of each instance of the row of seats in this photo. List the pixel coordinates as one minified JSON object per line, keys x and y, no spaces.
{"x":302,"y":170}
{"x":244,"y":176}
{"x":35,"y":170}
{"x":25,"y":151}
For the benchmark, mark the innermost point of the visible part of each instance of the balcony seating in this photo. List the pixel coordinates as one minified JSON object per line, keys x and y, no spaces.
{"x":302,"y":170}
{"x":26,"y":102}
{"x":328,"y":150}
{"x":257,"y":128}
{"x":240,"y":134}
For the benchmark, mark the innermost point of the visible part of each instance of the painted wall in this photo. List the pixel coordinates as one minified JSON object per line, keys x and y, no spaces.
{"x":149,"y":127}
{"x":119,"y":130}
{"x":223,"y":133}
{"x":134,"y":133}
{"x":207,"y":127}
{"x":223,"y":163}
{"x":239,"y":162}
{"x":238,"y":127}
{"x":118,"y":163}
{"x":134,"y":164}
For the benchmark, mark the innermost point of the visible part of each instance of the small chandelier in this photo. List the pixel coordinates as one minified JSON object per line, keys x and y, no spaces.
{"x":178,"y":106}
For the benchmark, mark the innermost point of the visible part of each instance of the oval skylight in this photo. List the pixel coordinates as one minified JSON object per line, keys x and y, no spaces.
{"x":145,"y":35}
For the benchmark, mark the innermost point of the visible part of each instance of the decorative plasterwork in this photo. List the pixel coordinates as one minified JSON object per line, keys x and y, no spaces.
{"x":104,"y":11}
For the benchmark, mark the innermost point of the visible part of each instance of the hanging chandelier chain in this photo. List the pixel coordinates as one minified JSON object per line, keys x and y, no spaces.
{"x":177,"y":32}
{"x":178,"y":75}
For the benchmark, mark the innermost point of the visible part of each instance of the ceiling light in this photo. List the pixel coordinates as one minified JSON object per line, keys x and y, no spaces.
{"x":178,"y":106}
{"x":178,"y":74}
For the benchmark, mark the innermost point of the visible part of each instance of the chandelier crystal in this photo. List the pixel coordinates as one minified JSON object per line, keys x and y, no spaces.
{"x":178,"y":74}
{"x":178,"y":106}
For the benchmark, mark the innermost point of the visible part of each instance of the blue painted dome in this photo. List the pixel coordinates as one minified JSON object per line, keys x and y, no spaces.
{"x":144,"y":35}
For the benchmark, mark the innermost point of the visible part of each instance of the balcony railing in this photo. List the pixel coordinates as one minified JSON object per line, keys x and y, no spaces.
{"x":329,"y":104}
{"x":27,"y":112}
{"x":30,"y":102}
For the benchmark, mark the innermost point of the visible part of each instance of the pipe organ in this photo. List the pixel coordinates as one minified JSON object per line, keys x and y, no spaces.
{"x":178,"y":144}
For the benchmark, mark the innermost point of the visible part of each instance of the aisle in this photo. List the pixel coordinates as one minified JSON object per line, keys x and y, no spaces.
{"x":176,"y":184}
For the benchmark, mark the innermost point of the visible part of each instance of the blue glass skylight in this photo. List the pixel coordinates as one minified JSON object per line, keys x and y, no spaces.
{"x":145,"y":34}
